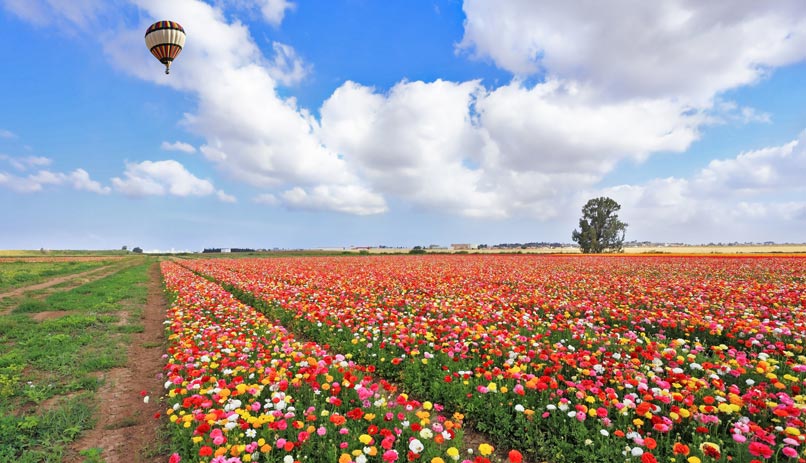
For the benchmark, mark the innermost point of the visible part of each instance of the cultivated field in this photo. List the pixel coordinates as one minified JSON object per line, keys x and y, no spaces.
{"x":560,"y":359}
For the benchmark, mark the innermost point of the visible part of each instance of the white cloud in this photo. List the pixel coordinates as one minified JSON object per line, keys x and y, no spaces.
{"x":348,"y":199}
{"x":274,"y":10}
{"x":287,"y":68}
{"x":226,"y":198}
{"x":81,"y":180}
{"x":158,"y":178}
{"x":7,"y":134}
{"x":266,"y":198}
{"x":178,"y":146}
{"x":78,"y":179}
{"x":26,"y":162}
{"x":680,"y":48}
{"x":66,"y":14}
{"x":771,"y":169}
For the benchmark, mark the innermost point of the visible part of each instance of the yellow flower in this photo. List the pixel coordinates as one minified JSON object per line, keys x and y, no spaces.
{"x":693,"y":460}
{"x":453,"y":452}
{"x":365,"y":439}
{"x":437,"y":460}
{"x":427,"y":405}
{"x":486,"y":449}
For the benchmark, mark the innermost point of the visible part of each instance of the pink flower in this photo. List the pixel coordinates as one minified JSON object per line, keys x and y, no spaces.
{"x":321,"y":431}
{"x":790,"y":452}
{"x":175,"y":458}
{"x":739,"y":438}
{"x":390,"y":455}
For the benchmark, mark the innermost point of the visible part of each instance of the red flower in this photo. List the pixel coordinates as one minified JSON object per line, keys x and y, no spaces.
{"x":515,"y":456}
{"x":205,"y":451}
{"x":648,"y":458}
{"x":759,"y":450}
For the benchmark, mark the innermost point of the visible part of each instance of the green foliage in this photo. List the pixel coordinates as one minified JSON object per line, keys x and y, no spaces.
{"x":29,"y":305}
{"x":21,"y":273}
{"x":55,"y":358}
{"x":600,"y":228}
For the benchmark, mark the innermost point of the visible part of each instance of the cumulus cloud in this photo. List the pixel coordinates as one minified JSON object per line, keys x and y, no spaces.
{"x":159,"y":178}
{"x":617,"y":82}
{"x":778,"y":168}
{"x":252,"y":133}
{"x":78,"y":179}
{"x":729,"y":199}
{"x":634,"y":48}
{"x":7,"y":134}
{"x":178,"y":146}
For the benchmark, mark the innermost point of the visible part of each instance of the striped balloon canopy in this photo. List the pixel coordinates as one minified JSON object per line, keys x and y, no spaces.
{"x":165,"y":40}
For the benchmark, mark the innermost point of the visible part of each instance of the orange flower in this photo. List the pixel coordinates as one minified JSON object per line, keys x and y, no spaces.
{"x":680,"y":449}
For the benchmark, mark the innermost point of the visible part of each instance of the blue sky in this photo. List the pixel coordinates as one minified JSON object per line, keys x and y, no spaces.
{"x":356,"y":122}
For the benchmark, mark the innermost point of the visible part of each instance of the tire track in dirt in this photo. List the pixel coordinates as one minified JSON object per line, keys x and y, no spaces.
{"x":78,"y":279}
{"x":126,"y":428}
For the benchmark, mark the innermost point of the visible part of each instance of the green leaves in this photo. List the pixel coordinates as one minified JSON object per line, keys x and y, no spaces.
{"x":600,"y":229}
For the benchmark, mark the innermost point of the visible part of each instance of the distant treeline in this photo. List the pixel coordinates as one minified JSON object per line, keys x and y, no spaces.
{"x":541,"y":244}
{"x":215,"y":250}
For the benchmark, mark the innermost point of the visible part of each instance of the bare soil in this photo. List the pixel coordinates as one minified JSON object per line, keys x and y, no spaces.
{"x":126,"y":427}
{"x":42,"y":316}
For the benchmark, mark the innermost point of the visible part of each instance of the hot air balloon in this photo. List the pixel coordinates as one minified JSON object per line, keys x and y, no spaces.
{"x":165,"y":40}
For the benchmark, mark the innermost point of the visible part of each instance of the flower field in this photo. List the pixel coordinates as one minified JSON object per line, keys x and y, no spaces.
{"x":243,"y":389}
{"x":574,"y":358}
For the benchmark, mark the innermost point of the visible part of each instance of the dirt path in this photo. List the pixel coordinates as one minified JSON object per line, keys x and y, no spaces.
{"x":126,"y":427}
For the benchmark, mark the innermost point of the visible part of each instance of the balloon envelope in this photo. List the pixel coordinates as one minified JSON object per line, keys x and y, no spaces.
{"x":165,"y":40}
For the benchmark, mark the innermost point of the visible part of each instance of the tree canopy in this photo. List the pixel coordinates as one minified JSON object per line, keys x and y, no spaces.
{"x":600,"y":229}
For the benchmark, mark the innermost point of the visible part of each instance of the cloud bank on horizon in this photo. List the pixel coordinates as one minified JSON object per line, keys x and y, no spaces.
{"x":591,"y":91}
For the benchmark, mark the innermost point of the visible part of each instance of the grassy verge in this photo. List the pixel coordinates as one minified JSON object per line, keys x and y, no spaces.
{"x":19,"y":273}
{"x":49,"y":368}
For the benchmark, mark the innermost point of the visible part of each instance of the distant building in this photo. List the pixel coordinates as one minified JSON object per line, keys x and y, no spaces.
{"x":463,"y":246}
{"x":226,"y":250}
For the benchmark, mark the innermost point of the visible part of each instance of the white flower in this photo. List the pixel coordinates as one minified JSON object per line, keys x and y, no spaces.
{"x":288,"y":459}
{"x":519,"y":408}
{"x":637,"y":451}
{"x":361,"y":458}
{"x":604,"y":432}
{"x":416,"y":446}
{"x":145,"y":399}
{"x":251,"y":433}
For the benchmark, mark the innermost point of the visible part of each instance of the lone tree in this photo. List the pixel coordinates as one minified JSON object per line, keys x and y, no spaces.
{"x":600,"y":229}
